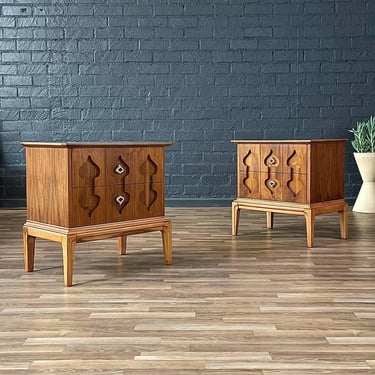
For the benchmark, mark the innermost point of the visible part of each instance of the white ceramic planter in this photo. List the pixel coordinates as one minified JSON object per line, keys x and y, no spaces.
{"x":365,"y":201}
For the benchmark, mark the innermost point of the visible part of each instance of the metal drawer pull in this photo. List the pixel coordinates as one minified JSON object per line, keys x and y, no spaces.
{"x":272,"y":183}
{"x":272,"y":161}
{"x":120,"y":199}
{"x":120,"y":169}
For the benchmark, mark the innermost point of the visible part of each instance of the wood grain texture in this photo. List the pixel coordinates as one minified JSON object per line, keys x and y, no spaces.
{"x":259,"y":303}
{"x":93,"y":186}
{"x":309,"y":174}
{"x":47,"y":191}
{"x":327,"y":160}
{"x":308,"y":211}
{"x":72,"y":185}
{"x":301,"y":171}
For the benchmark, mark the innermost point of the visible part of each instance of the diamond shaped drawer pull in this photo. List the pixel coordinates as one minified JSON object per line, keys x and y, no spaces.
{"x":120,"y":169}
{"x":120,"y":199}
{"x":272,"y":183}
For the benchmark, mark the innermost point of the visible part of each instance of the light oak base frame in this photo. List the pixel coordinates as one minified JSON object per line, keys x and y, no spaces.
{"x":309,"y":211}
{"x":69,"y":237}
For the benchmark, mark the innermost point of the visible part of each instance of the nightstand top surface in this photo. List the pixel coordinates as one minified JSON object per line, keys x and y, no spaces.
{"x":95,"y":144}
{"x":278,"y":141}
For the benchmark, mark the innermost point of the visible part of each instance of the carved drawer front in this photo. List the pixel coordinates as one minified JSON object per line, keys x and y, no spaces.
{"x":295,"y":173}
{"x":88,"y":182}
{"x":295,"y":188}
{"x":150,"y":165}
{"x":150,"y":183}
{"x":271,"y":185}
{"x":248,"y":157}
{"x":283,"y":172}
{"x":150,"y":200}
{"x":117,"y":184}
{"x":271,"y":158}
{"x":249,"y":185}
{"x":120,"y":202}
{"x":271,"y":165}
{"x":295,"y":159}
{"x":248,"y":165}
{"x":120,"y":179}
{"x":121,"y":166}
{"x":272,"y":171}
{"x":88,"y":167}
{"x":88,"y":206}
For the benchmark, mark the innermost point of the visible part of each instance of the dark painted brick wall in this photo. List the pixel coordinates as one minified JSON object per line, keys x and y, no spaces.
{"x":195,"y":72}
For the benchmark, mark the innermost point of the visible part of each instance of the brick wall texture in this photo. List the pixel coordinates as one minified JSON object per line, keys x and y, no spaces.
{"x":195,"y":72}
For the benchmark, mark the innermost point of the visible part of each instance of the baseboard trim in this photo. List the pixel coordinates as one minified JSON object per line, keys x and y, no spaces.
{"x":198,"y":202}
{"x":13,"y":203}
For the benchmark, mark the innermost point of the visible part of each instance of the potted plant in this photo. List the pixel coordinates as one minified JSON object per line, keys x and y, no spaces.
{"x":364,"y":145}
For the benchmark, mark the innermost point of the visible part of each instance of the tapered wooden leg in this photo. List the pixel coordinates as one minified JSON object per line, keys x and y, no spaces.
{"x":235,"y":218}
{"x":68,"y":244}
{"x":166,"y":233}
{"x":28,"y":250}
{"x":343,"y":217}
{"x":270,"y":216}
{"x":122,"y":245}
{"x":310,"y":226}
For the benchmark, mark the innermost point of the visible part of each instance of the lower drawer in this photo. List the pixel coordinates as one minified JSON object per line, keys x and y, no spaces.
{"x":273,"y":186}
{"x":106,"y":204}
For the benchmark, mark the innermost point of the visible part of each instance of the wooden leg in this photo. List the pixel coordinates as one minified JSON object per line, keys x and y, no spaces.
{"x":68,"y":244}
{"x":270,"y":216}
{"x":235,"y":218}
{"x":28,"y":250}
{"x":166,"y":233}
{"x":310,"y":226}
{"x":122,"y":245}
{"x":343,"y":217}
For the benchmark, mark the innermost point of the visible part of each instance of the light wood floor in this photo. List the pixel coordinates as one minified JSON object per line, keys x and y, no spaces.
{"x":259,"y":303}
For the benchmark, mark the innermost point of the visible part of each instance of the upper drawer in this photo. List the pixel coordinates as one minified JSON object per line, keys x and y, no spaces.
{"x":271,"y":157}
{"x":117,"y":166}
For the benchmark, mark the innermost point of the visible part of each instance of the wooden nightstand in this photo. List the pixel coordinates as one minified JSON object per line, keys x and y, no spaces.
{"x":80,"y":192}
{"x":302,"y":177}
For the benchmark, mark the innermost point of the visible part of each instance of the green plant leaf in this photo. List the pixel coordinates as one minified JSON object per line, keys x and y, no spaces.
{"x":364,"y":136}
